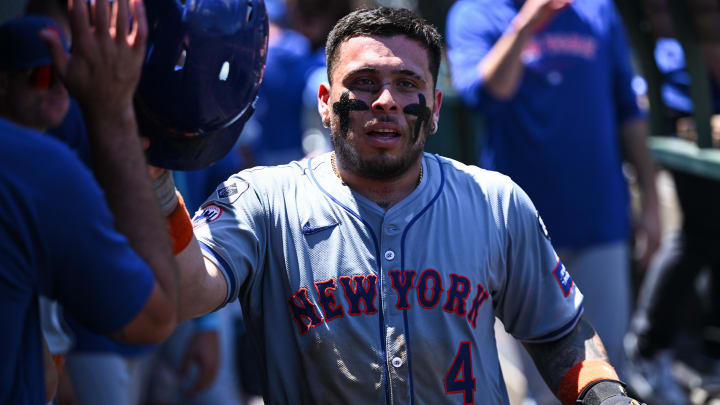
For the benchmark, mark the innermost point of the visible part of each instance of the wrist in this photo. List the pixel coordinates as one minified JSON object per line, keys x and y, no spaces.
{"x":581,"y":376}
{"x":521,"y":26}
{"x":107,"y":113}
{"x":604,"y":392}
{"x":165,"y":192}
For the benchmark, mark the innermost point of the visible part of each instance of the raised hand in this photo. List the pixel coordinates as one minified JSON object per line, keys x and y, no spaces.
{"x":535,"y":14}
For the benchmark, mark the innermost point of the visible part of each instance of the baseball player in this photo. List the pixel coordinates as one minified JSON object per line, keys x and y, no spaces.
{"x":373,"y":274}
{"x":58,"y":234}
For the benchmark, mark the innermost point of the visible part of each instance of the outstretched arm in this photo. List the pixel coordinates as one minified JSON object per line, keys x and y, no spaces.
{"x":575,"y":364}
{"x":201,"y":286}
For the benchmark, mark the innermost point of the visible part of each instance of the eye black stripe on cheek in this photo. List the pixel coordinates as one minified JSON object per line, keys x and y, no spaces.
{"x":343,"y":107}
{"x":420,"y":110}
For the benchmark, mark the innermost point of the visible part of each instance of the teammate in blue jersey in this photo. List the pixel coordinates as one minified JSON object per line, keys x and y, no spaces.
{"x":552,"y":80}
{"x":373,"y":274}
{"x":58,"y":235}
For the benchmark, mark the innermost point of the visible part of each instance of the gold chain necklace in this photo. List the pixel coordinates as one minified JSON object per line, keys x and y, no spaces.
{"x":337,"y":172}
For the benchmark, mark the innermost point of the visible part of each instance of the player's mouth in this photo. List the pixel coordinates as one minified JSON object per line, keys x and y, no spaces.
{"x":383,"y":136}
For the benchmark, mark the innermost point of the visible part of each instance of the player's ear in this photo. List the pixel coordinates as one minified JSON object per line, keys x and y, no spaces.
{"x":436,"y":109}
{"x":324,"y":103}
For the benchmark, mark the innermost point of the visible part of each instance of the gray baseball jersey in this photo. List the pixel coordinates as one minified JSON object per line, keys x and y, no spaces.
{"x":351,"y":304}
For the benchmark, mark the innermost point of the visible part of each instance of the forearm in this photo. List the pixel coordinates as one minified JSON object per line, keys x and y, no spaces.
{"x":202,"y":286}
{"x":634,"y":144}
{"x":501,"y":70}
{"x":120,"y":168}
{"x":553,"y":360}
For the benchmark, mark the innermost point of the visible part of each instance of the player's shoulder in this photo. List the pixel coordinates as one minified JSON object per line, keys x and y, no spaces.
{"x":268,"y":181}
{"x":278,"y":176}
{"x":462,"y":175}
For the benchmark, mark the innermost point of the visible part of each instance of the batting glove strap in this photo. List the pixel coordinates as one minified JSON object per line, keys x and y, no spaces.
{"x":605,"y":392}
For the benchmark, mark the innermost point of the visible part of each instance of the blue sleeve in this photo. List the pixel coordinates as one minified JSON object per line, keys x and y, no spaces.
{"x":94,"y":273}
{"x":472,"y":30}
{"x":627,"y":108}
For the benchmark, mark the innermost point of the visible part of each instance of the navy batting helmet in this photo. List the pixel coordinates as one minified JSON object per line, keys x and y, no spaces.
{"x":205,"y":60}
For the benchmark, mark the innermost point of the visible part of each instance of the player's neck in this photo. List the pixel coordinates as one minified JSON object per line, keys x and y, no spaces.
{"x":385,"y":193}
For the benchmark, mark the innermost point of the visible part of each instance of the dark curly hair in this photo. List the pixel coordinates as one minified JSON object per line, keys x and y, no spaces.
{"x":385,"y":22}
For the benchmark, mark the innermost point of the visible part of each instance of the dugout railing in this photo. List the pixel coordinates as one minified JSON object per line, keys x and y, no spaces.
{"x":695,"y":24}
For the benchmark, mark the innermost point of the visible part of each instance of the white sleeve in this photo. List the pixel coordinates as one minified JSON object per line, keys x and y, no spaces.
{"x":540,"y":302}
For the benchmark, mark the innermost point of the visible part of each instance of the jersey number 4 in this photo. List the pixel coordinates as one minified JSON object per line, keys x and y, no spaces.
{"x":459,"y":378}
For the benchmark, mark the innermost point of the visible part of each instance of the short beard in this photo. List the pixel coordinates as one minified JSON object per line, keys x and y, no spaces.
{"x":379,"y":167}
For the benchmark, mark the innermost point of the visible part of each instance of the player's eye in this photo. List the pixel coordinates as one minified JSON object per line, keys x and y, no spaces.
{"x":367,"y":84}
{"x":405,"y":83}
{"x":364,"y":81}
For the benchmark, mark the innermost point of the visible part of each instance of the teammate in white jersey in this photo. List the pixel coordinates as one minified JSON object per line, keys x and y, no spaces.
{"x":373,"y":274}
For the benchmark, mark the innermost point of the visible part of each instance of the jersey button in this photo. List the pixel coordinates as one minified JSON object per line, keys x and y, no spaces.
{"x":397,"y":362}
{"x":389,"y":255}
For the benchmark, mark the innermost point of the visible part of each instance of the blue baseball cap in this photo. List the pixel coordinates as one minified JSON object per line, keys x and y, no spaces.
{"x":21,"y":46}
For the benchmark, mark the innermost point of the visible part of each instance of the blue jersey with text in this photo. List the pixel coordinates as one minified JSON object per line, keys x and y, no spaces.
{"x":56,"y":239}
{"x":558,"y":136}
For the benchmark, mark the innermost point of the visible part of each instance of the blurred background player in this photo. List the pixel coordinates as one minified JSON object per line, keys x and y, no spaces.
{"x":678,"y":318}
{"x":552,"y":81}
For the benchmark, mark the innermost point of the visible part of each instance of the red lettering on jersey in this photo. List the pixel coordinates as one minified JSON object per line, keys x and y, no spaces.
{"x":303,"y":310}
{"x":435,"y":292}
{"x":402,"y":283}
{"x":457,"y":294}
{"x":326,"y":296}
{"x":477,"y":302}
{"x":364,"y":289}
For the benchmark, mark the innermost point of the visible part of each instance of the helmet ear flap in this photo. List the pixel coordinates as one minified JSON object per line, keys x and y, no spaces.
{"x":204,"y":64}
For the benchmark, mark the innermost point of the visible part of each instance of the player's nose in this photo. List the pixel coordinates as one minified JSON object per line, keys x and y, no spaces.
{"x":385,"y":102}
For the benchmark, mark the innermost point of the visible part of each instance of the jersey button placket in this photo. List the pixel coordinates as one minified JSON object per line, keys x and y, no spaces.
{"x":396,"y":349}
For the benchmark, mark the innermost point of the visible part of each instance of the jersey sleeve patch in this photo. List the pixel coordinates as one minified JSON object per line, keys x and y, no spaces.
{"x":231,"y":190}
{"x":207,"y":214}
{"x":563,"y":278}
